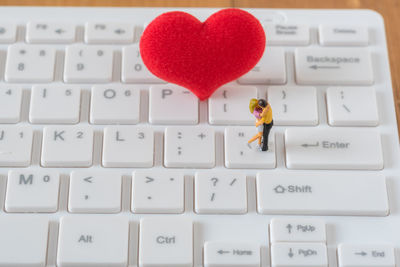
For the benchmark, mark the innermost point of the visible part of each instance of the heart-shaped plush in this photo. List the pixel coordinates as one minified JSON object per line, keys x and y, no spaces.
{"x":180,"y":49}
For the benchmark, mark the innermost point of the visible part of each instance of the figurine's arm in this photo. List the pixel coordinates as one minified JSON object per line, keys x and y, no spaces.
{"x":259,"y":122}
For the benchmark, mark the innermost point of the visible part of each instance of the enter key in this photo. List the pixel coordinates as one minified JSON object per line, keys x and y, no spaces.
{"x":338,"y":149}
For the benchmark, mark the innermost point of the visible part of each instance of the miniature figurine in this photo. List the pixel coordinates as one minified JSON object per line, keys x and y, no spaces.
{"x":263,"y":113}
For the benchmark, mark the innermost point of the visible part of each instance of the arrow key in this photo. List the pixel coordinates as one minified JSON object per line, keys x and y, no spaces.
{"x":299,"y":254}
{"x":366,"y":255}
{"x":108,"y":33}
{"x":221,"y":254}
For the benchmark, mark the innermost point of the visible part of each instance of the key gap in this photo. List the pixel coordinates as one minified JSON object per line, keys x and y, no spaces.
{"x":3,"y":187}
{"x":25,"y":104}
{"x":79,"y":34}
{"x":144,"y":106}
{"x":219,"y":149}
{"x":138,"y":30}
{"x":21,"y":32}
{"x":3,"y":58}
{"x":97,"y":148}
{"x":117,"y":66}
{"x":251,"y":195}
{"x":63,"y":193}
{"x":189,"y":194}
{"x":133,"y":247}
{"x":84,"y":105}
{"x":126,"y":193}
{"x":59,"y":66}
{"x":265,"y":256}
{"x":52,"y":243}
{"x":158,"y":149}
{"x":36,"y":148}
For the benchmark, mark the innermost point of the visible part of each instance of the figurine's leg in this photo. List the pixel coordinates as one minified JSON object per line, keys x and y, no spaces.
{"x":257,"y":136}
{"x":267,"y":129}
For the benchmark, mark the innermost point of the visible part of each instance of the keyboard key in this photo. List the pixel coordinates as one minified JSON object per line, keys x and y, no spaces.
{"x":158,"y":192}
{"x":55,"y":104}
{"x":171,"y":104}
{"x":23,"y":241}
{"x":93,"y":241}
{"x":362,"y":194}
{"x":220,"y":193}
{"x":343,"y":35}
{"x":128,"y":147}
{"x":95,"y":192}
{"x":15,"y":146}
{"x":189,"y":147}
{"x":10,"y":103}
{"x":352,"y":106}
{"x":271,"y":69}
{"x":337,"y":66}
{"x":299,"y":255}
{"x":297,"y":230}
{"x":67,"y":146}
{"x":108,"y":33}
{"x":221,"y":254}
{"x":333,"y":149}
{"x":366,"y":255}
{"x":30,"y":63}
{"x":229,"y":105}
{"x":8,"y":32}
{"x":166,"y":242}
{"x":32,"y":191}
{"x":240,"y":154}
{"x":50,"y":32}
{"x":294,"y":105}
{"x":133,"y":68}
{"x":287,"y":34}
{"x":88,"y":64}
{"x":115,"y":105}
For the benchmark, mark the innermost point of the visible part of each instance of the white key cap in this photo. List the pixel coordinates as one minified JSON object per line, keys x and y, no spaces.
{"x":189,"y":147}
{"x":172,"y":104}
{"x":299,"y":255}
{"x":8,"y":32}
{"x":10,"y":103}
{"x":366,"y":255}
{"x":220,"y":193}
{"x":166,"y":242}
{"x":133,"y":68}
{"x":93,"y":241}
{"x":229,"y":105}
{"x":271,"y":69}
{"x":223,"y":254}
{"x":333,"y":149}
{"x":339,"y":66}
{"x":55,"y":104}
{"x":115,"y":105}
{"x":50,"y":32}
{"x":30,"y":63}
{"x":108,"y":33}
{"x":157,"y":192}
{"x":32,"y":191}
{"x":67,"y":146}
{"x":343,"y":35}
{"x":297,"y":230}
{"x":287,"y":34}
{"x":95,"y":192}
{"x":26,"y":235}
{"x":294,"y":105}
{"x":352,"y":106}
{"x":15,"y":146}
{"x":317,"y":194}
{"x":128,"y":147}
{"x":88,"y":64}
{"x":239,"y":154}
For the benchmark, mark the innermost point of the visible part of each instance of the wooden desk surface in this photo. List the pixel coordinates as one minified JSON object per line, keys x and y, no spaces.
{"x":390,"y":9}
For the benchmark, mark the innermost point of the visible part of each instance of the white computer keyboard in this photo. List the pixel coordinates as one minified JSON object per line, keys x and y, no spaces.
{"x":103,"y":164}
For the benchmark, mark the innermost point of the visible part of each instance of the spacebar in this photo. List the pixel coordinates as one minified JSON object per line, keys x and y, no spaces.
{"x":362,"y":194}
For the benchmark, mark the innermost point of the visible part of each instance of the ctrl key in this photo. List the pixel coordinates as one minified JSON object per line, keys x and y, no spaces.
{"x":299,"y":255}
{"x":166,"y":242}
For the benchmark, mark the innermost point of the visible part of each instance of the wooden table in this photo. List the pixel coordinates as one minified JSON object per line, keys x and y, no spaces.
{"x":390,"y":9}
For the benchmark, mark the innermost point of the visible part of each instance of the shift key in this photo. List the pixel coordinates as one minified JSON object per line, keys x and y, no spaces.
{"x":334,"y":66}
{"x":336,"y":149}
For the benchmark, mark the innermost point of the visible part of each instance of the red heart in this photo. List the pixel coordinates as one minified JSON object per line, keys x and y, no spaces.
{"x":180,"y":49}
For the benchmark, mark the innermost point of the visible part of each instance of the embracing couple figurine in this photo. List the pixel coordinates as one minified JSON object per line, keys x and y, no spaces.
{"x":263,"y":113}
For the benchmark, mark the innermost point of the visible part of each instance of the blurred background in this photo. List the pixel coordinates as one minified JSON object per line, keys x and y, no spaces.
{"x":389,"y":9}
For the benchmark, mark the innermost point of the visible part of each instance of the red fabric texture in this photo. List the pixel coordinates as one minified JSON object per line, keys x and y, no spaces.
{"x":180,"y":49}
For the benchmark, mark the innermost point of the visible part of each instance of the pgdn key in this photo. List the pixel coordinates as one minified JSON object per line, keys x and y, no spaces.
{"x":341,"y":149}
